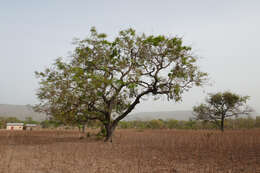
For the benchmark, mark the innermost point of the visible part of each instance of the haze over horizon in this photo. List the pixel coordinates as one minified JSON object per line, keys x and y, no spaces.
{"x":223,"y":34}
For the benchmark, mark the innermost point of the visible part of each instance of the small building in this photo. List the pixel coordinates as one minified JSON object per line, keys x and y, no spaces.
{"x":30,"y":126}
{"x":14,"y":126}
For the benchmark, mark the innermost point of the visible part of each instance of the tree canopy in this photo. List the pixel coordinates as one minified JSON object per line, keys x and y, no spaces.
{"x":219,"y":106}
{"x":105,"y":79}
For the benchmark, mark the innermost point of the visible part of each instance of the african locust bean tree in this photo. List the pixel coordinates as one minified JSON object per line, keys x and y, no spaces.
{"x":105,"y":79}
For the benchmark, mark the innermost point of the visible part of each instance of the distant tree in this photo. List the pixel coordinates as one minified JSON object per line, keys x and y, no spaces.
{"x":250,"y":122}
{"x":220,"y":106}
{"x":124,"y":124}
{"x":156,"y":124}
{"x":29,"y":120}
{"x":105,"y":80}
{"x":257,"y":121}
{"x":13,"y":120}
{"x":50,"y":124}
{"x":2,"y":122}
{"x":190,"y":124}
{"x":172,"y":123}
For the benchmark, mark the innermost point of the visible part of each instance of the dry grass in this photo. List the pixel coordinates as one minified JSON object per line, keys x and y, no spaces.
{"x":175,"y":151}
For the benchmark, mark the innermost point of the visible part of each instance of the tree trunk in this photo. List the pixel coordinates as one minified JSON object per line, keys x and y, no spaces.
{"x":83,"y":128}
{"x":222,"y":124}
{"x":109,"y":132}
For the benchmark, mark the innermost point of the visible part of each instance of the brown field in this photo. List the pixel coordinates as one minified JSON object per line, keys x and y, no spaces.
{"x":158,"y":151}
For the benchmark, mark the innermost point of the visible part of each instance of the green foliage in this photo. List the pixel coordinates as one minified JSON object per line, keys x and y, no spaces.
{"x":172,"y":124}
{"x":242,"y":123}
{"x":29,"y":120}
{"x":50,"y":124}
{"x":190,"y":124}
{"x":110,"y":77}
{"x":155,"y":124}
{"x":235,"y":124}
{"x":102,"y":132}
{"x":2,"y":122}
{"x":12,"y":120}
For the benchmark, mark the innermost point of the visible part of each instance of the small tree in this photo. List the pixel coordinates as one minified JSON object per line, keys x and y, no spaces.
{"x":220,"y":106}
{"x":257,"y":121}
{"x":105,"y":80}
{"x":155,"y":124}
{"x":172,"y":123}
{"x":2,"y":122}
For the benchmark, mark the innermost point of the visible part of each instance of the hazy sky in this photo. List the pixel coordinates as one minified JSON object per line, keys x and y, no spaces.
{"x":225,"y":34}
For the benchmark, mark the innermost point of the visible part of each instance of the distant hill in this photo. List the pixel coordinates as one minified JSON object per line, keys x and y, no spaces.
{"x":23,"y":111}
{"x":20,"y":112}
{"x":143,"y":116}
{"x":177,"y":115}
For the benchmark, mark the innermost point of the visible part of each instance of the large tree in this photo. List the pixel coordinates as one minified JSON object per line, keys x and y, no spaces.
{"x":105,"y":79}
{"x":220,"y":106}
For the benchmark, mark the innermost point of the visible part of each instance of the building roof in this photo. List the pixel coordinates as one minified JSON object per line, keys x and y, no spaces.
{"x":14,"y":124}
{"x":30,"y":125}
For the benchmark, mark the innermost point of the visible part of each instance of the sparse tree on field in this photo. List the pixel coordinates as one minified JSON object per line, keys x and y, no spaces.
{"x":105,"y":80}
{"x":220,"y":106}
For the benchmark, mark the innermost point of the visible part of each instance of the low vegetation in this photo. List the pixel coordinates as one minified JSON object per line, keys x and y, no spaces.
{"x":236,"y":123}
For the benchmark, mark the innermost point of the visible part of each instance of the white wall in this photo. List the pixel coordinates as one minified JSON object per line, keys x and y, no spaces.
{"x":14,"y":127}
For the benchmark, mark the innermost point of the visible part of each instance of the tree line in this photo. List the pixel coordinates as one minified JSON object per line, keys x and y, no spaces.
{"x":235,"y":123}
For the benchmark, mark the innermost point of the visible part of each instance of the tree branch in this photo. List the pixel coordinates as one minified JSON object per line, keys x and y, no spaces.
{"x":132,"y":106}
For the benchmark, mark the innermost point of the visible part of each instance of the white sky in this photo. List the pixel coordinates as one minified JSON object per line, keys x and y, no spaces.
{"x":225,"y":34}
